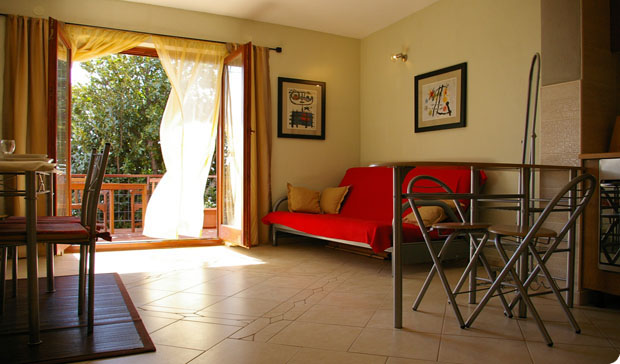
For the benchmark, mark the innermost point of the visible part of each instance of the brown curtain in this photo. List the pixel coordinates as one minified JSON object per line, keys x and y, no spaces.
{"x":260,"y":144}
{"x":24,"y":114}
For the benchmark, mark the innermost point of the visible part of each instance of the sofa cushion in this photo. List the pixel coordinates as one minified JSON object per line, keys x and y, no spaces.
{"x":301,"y":199}
{"x":331,"y":199}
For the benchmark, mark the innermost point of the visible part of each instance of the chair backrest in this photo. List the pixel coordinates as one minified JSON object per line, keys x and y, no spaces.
{"x":92,"y":187}
{"x":572,"y":198}
{"x":431,"y":184}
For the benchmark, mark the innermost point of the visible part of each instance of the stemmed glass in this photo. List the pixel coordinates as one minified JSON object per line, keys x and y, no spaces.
{"x":7,"y":146}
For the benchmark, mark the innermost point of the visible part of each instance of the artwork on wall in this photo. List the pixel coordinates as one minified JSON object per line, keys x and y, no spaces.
{"x":301,"y":108}
{"x":440,"y":98}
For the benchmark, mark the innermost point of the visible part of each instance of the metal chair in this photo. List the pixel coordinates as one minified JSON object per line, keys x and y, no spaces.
{"x":573,"y":198}
{"x":476,"y":232}
{"x":84,"y":233}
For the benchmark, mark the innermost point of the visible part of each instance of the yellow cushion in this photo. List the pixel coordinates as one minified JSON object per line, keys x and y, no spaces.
{"x":429,"y":214}
{"x":331,"y":199}
{"x":301,"y":199}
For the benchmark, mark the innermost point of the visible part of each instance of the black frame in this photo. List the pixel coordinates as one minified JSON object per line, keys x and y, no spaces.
{"x":462,"y":98}
{"x":281,"y":112}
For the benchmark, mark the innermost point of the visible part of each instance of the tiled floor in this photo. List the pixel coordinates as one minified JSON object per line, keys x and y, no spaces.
{"x":303,"y":303}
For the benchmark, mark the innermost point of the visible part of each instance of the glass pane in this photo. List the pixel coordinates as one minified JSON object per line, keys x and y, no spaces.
{"x":62,"y":128}
{"x":233,"y":136}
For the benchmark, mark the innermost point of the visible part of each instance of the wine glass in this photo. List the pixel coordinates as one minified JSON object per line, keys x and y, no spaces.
{"x":7,"y":146}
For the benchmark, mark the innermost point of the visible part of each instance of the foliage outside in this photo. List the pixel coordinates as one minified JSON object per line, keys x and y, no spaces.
{"x":122,"y":104}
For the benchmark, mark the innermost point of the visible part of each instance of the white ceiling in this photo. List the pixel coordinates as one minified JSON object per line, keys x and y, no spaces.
{"x":350,"y":18}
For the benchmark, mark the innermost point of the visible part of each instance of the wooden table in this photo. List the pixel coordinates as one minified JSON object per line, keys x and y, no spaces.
{"x":142,"y":187}
{"x":523,"y":198}
{"x":31,"y":170}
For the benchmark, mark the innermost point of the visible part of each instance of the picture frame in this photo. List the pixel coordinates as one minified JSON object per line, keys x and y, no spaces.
{"x":301,"y":108}
{"x":440,"y":99}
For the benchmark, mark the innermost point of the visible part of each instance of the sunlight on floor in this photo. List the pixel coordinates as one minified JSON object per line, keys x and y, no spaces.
{"x":153,"y":260}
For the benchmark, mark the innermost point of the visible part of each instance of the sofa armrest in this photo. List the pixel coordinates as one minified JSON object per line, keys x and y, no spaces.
{"x":279,"y":202}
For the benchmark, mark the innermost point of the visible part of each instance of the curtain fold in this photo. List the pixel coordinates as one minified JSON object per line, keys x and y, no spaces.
{"x":260,"y":144}
{"x":187,"y":135}
{"x":90,"y":42}
{"x":24,"y":113}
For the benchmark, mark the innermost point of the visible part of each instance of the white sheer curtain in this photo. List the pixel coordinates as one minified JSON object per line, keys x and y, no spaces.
{"x":188,"y":135}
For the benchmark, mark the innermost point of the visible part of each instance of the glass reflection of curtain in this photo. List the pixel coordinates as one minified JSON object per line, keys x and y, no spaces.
{"x":90,"y":42}
{"x":260,"y":144}
{"x":24,"y":113}
{"x":187,"y":135}
{"x":233,"y":144}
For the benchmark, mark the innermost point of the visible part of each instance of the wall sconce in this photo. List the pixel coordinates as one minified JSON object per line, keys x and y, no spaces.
{"x":401,"y":56}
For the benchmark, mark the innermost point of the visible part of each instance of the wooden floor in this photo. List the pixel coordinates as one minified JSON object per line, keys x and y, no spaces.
{"x":118,"y":327}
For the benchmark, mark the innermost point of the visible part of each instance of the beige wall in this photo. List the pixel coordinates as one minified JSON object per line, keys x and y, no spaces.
{"x":307,"y":55}
{"x":497,"y":39}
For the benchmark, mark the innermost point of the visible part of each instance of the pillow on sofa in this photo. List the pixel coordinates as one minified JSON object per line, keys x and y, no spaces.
{"x":429,"y":214}
{"x":331,"y":199}
{"x":301,"y":199}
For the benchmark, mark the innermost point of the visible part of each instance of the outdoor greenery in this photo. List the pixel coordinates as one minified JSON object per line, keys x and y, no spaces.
{"x":122,"y":103}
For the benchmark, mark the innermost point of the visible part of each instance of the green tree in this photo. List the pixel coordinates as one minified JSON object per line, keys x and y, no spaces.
{"x":122,"y":104}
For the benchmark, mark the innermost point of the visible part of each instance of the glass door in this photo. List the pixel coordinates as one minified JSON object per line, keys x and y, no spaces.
{"x":233,"y":150}
{"x":59,"y":115}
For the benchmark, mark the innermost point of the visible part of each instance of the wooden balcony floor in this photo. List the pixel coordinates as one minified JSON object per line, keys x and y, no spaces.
{"x":121,"y":236}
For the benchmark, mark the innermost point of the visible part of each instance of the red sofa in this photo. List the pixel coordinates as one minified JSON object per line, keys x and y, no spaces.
{"x":365,"y":218}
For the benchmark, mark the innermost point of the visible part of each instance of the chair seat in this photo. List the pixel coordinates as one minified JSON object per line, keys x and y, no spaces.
{"x":516,"y":230}
{"x":460,"y":226}
{"x":69,"y":233}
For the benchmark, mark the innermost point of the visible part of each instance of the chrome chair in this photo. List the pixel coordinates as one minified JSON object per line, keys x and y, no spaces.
{"x":458,"y":227}
{"x":63,"y":231}
{"x":571,"y":199}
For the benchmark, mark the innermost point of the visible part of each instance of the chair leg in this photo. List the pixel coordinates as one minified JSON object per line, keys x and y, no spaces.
{"x":556,"y":290}
{"x":91,"y":288}
{"x":15,"y":266}
{"x":3,"y":254}
{"x":444,"y":279}
{"x":431,"y":274}
{"x":81,"y":279}
{"x":50,"y":267}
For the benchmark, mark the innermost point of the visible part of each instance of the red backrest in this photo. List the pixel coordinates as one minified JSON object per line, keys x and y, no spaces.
{"x":370,"y":194}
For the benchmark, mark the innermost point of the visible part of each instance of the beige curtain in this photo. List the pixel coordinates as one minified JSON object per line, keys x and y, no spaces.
{"x":90,"y":42}
{"x":187,"y":135}
{"x":24,"y":113}
{"x":260,"y":144}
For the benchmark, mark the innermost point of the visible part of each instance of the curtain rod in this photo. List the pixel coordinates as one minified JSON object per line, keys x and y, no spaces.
{"x":276,"y":49}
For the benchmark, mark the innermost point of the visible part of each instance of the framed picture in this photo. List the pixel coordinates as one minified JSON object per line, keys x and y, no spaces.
{"x":301,"y":108}
{"x":440,"y":99}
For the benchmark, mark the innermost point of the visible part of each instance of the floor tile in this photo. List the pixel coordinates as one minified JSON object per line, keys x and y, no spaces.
{"x":164,"y":355}
{"x":563,"y":333}
{"x":188,"y":301}
{"x":268,"y":292}
{"x":153,"y":323}
{"x":491,"y":322}
{"x":192,"y":335}
{"x":337,"y":315}
{"x":240,"y":351}
{"x":400,"y":343}
{"x":574,"y":354}
{"x":140,"y":295}
{"x":354,"y":299}
{"x":418,"y":321}
{"x":313,"y":356}
{"x":243,"y":306}
{"x":466,"y":349}
{"x":319,"y":336}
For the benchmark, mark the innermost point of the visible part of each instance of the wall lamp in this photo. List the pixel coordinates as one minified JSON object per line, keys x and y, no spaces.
{"x":401,"y":56}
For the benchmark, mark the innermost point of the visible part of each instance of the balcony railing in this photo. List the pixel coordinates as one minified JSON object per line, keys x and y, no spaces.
{"x":122,"y":198}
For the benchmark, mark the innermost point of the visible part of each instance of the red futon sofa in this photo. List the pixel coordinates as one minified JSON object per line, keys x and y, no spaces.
{"x":365,"y":218}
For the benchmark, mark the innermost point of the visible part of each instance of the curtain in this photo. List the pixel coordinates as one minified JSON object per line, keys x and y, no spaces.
{"x":260,"y":144}
{"x":187,"y":135}
{"x":24,"y":113}
{"x":90,"y":42}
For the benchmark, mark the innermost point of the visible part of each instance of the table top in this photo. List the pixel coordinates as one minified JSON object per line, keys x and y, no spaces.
{"x":481,"y":165}
{"x":14,"y":166}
